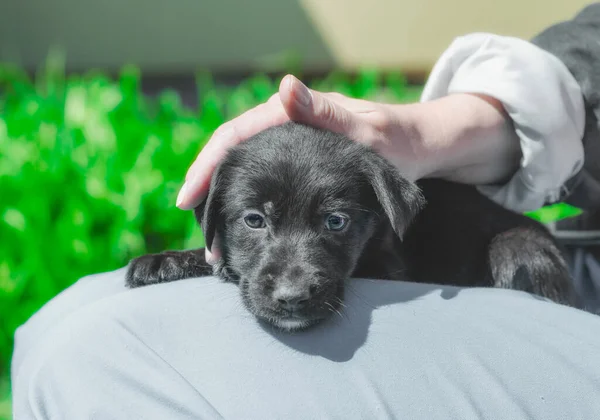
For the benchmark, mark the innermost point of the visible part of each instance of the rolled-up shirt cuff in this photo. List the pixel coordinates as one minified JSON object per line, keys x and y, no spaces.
{"x":541,"y":97}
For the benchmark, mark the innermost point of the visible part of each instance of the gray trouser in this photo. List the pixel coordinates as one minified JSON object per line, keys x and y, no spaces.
{"x":189,"y":350}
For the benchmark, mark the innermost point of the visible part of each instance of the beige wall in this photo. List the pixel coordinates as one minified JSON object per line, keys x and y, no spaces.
{"x":412,"y":34}
{"x":181,"y":35}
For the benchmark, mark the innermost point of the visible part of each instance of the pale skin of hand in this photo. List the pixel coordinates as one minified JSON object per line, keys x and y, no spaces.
{"x":462,"y":137}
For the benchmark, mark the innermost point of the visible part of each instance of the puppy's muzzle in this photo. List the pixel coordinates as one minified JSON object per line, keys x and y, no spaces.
{"x":292,"y":288}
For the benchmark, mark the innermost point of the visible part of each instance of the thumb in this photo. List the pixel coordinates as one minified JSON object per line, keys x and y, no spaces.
{"x":313,"y":108}
{"x":211,"y":257}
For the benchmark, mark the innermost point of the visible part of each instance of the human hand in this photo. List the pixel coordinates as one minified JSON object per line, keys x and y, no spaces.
{"x":368,"y":122}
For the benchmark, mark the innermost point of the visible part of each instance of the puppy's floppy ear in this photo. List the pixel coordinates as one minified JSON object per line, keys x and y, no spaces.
{"x":207,"y":211}
{"x":400,"y":199}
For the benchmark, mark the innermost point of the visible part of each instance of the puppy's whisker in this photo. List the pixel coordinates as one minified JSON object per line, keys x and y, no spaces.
{"x":339,"y":301}
{"x":360,"y":297}
{"x":330,"y":306}
{"x":334,"y":310}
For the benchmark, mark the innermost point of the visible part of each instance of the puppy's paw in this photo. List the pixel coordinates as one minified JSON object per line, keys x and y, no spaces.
{"x":166,"y":267}
{"x":528,"y":259}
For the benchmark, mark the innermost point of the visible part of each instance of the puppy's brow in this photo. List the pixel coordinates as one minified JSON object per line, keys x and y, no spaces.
{"x":337,"y":204}
{"x":268,"y":208}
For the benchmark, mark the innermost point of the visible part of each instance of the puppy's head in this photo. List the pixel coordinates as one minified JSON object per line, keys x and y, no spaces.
{"x":294,"y":208}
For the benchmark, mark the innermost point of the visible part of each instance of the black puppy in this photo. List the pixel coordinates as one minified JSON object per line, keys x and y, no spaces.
{"x":299,"y":210}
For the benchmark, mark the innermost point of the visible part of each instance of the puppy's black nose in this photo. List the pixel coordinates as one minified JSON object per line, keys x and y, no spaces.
{"x":291,"y":298}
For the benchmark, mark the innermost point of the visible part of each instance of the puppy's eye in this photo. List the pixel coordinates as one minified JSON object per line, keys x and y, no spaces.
{"x":254,"y":221}
{"x":335,"y":222}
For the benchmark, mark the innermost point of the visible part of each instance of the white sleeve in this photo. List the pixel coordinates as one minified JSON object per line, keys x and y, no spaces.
{"x":541,"y":97}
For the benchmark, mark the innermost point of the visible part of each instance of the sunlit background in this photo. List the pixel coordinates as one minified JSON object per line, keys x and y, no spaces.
{"x":104,"y":104}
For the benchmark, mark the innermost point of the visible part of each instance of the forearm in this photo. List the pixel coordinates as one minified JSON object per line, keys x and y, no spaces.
{"x":467,"y":138}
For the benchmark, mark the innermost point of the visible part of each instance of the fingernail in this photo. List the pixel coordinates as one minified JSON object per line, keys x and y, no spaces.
{"x":181,"y":195}
{"x":208,"y":257}
{"x":303,"y":95}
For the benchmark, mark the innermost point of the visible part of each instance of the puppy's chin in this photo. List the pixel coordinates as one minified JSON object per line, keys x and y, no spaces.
{"x":319,"y":308}
{"x":283,"y":322}
{"x":286,"y":323}
{"x":293,"y":324}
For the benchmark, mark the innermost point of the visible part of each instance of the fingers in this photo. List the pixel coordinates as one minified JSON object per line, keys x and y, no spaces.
{"x":315,"y":108}
{"x":228,"y":135}
{"x":214,"y":256}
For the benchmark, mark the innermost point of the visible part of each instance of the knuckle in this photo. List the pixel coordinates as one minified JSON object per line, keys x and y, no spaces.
{"x":335,"y":116}
{"x":328,"y":111}
{"x":380,"y":121}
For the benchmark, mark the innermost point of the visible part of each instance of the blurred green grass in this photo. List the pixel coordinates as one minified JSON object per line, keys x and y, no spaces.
{"x":90,"y":169}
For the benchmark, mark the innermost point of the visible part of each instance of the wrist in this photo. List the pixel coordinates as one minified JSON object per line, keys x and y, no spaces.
{"x":466,"y":138}
{"x":402,"y":139}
